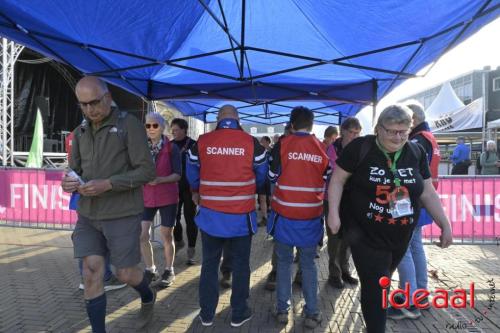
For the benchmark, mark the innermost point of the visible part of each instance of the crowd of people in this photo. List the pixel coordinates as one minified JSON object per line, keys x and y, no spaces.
{"x":372,"y":193}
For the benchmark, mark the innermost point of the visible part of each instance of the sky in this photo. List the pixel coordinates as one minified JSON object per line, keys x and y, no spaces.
{"x":479,"y":50}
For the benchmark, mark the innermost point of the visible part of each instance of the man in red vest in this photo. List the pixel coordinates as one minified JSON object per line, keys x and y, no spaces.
{"x":224,"y":169}
{"x":299,"y":166}
{"x":413,"y":266}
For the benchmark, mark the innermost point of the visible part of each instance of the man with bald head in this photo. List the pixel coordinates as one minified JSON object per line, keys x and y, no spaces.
{"x":224,"y":170}
{"x":111,"y":156}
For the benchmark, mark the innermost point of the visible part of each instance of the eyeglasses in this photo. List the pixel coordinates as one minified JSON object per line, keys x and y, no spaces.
{"x":92,"y":104}
{"x":155,"y":126}
{"x":402,"y":133}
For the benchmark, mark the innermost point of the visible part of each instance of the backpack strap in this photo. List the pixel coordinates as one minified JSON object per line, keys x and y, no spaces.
{"x":365,"y":148}
{"x":121,"y":128}
{"x":415,"y":151}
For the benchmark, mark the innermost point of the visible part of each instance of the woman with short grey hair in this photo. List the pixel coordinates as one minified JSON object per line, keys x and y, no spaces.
{"x":376,"y":192}
{"x":161,"y":195}
{"x":395,"y":114}
{"x":489,"y":159}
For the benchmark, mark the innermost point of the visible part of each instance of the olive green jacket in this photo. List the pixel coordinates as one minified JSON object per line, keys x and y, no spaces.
{"x":117,"y":151}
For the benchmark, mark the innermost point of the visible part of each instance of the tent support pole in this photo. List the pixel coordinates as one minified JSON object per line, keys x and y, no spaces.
{"x":374,"y":102}
{"x":485,"y":106}
{"x":242,"y":46}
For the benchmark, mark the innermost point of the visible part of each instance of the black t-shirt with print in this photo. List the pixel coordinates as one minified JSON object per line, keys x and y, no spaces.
{"x":365,"y":207}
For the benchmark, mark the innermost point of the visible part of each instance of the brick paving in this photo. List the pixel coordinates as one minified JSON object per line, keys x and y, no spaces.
{"x":39,"y":279}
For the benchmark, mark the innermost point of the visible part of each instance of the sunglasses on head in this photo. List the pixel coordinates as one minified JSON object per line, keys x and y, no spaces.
{"x":155,"y":126}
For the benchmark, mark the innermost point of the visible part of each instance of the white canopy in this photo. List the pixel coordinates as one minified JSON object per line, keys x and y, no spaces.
{"x":445,"y":102}
{"x":462,"y":118}
{"x":494,"y":124}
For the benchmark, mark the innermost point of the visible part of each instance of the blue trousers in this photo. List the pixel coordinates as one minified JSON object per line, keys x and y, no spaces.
{"x":239,"y":248}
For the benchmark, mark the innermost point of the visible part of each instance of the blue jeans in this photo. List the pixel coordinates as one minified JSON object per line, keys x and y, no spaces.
{"x":413,"y":266}
{"x":239,"y":247}
{"x":107,"y":268}
{"x":284,"y":256}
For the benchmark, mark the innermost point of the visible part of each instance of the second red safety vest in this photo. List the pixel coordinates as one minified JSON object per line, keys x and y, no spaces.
{"x":227,"y":179}
{"x":300,"y":187}
{"x":436,"y":157}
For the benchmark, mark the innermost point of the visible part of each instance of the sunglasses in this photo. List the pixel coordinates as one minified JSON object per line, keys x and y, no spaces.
{"x":92,"y":104}
{"x":155,"y":126}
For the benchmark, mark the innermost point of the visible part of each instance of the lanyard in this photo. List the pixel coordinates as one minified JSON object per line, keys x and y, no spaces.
{"x":391,"y":163}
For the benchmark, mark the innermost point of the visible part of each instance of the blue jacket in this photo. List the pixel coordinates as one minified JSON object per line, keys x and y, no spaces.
{"x":461,"y":153}
{"x":220,"y":224}
{"x":300,"y":233}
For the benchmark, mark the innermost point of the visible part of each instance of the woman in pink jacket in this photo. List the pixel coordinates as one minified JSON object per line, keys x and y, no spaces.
{"x":161,"y":195}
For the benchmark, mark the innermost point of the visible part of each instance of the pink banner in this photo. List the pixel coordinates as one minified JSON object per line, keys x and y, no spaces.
{"x":472,"y":205}
{"x":34,"y":196}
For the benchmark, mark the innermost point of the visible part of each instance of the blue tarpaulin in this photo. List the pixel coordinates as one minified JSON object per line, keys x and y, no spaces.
{"x":197,"y":54}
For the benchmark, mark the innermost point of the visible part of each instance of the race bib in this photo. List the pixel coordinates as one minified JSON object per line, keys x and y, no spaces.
{"x":401,"y":207}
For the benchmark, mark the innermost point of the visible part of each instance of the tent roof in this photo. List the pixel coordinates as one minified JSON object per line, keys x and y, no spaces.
{"x":494,"y":124}
{"x":445,"y":102}
{"x":247,"y":51}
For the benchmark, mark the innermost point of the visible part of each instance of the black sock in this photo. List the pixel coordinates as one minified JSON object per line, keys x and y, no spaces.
{"x":96,"y":310}
{"x":144,"y":290}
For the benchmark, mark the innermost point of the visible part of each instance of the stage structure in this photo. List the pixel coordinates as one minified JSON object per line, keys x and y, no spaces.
{"x":9,"y":53}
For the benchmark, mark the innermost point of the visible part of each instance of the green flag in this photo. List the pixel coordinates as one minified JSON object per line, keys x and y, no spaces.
{"x":35,"y":157}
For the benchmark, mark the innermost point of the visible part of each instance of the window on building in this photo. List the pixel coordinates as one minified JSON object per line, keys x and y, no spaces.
{"x":253,"y":130}
{"x":270,"y":130}
{"x":496,"y":84}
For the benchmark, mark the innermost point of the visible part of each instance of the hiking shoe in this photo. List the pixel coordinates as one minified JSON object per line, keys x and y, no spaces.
{"x":336,"y":282}
{"x":240,"y":321}
{"x":225,"y":281}
{"x":281,"y":317}
{"x":271,"y":281}
{"x":426,"y":300}
{"x":397,"y":314}
{"x":113,"y":284}
{"x":190,"y":254}
{"x":167,"y":279}
{"x":400,"y":299}
{"x":312,"y":321}
{"x":206,"y":323}
{"x":146,"y":312}
{"x":151,"y":277}
{"x":349,"y":279}
{"x":298,"y":278}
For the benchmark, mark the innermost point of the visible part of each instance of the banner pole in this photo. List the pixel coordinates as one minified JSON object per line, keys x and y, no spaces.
{"x":484,"y":112}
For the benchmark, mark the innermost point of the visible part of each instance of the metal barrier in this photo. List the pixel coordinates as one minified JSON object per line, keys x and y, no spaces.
{"x":472,"y":204}
{"x":34,"y":198}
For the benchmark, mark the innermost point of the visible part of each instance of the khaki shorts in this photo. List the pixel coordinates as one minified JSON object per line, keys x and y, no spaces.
{"x":119,"y":237}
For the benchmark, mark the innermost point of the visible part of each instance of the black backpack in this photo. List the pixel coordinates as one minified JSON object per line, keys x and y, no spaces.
{"x":478,"y":165}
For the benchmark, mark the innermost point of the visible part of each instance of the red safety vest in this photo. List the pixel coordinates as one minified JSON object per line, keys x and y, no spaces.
{"x":300,"y":188}
{"x":227,"y":179}
{"x":436,"y":157}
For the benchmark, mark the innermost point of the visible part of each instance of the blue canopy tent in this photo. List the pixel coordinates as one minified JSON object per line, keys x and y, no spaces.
{"x":268,"y":112}
{"x":251,"y":52}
